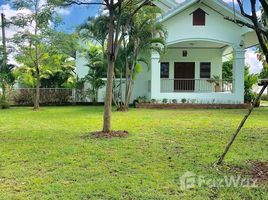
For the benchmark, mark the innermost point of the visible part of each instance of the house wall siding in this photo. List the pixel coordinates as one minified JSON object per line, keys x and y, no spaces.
{"x":180,"y":28}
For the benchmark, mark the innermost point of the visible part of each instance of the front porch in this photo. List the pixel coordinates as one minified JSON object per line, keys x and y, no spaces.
{"x":193,"y":71}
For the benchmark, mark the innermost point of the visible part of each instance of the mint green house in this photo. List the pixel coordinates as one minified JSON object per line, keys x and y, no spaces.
{"x":199,"y":40}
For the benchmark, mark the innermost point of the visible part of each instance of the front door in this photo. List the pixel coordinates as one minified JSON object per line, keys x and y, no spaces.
{"x":184,"y":74}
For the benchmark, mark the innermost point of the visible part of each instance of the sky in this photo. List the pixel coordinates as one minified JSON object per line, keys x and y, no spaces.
{"x":75,"y":15}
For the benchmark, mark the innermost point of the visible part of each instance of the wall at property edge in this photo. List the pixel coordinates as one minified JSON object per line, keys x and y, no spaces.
{"x":217,"y":28}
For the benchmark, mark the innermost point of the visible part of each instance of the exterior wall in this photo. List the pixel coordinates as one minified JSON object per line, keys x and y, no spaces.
{"x":141,"y":86}
{"x":180,"y":28}
{"x":81,"y":68}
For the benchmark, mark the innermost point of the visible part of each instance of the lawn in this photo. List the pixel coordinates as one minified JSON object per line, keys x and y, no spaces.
{"x":44,"y":155}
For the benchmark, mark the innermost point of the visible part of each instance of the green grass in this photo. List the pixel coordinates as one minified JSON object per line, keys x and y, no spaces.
{"x":43,"y":156}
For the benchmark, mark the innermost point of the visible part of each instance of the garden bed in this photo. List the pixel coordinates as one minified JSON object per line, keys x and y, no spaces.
{"x":189,"y":105}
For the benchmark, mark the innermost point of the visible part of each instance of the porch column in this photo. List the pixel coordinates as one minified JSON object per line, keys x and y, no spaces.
{"x":238,"y":74}
{"x":155,"y":75}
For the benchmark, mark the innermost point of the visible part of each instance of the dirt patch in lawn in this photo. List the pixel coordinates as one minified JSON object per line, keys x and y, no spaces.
{"x":259,"y":171}
{"x":111,"y":134}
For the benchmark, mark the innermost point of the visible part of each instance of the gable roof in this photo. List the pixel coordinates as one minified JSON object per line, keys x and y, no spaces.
{"x":218,"y":6}
{"x":165,"y":4}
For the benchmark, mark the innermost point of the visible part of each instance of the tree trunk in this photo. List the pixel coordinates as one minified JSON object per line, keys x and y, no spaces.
{"x":129,"y":93}
{"x":3,"y":98}
{"x":37,"y":89}
{"x":108,"y":98}
{"x":4,"y":63}
{"x":112,"y":48}
{"x":36,"y":62}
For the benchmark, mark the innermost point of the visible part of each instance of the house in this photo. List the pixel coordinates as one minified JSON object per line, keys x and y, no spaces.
{"x":199,"y":40}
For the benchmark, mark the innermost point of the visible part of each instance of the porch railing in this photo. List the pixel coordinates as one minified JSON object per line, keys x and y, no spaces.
{"x":196,"y":85}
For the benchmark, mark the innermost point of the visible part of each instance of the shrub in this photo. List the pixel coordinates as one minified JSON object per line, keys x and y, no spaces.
{"x":164,"y":100}
{"x":174,"y":101}
{"x":153,"y":100}
{"x":264,"y":97}
{"x":142,"y":99}
{"x":183,"y":100}
{"x":23,"y":97}
{"x":250,"y":80}
{"x":249,"y":97}
{"x":4,"y":104}
{"x":47,"y":96}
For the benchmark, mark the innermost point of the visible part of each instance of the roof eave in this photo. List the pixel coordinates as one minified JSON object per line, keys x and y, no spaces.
{"x":181,"y":7}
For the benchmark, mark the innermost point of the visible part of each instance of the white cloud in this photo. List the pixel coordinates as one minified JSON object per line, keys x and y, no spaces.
{"x":63,"y":11}
{"x":253,"y":62}
{"x":9,"y":12}
{"x":12,"y":30}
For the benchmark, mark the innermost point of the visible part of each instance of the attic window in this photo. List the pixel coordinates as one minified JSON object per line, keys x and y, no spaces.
{"x":199,"y":17}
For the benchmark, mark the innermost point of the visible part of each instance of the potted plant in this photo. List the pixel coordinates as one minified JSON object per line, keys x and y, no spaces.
{"x":217,"y":81}
{"x":183,"y":100}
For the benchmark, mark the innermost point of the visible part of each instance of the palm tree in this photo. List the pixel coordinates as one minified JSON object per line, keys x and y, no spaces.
{"x":7,"y":79}
{"x":96,"y":65}
{"x":144,"y":34}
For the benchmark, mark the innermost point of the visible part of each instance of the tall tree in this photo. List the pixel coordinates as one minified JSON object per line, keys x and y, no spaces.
{"x":37,"y":20}
{"x":114,"y":39}
{"x":56,"y":69}
{"x":143,"y":35}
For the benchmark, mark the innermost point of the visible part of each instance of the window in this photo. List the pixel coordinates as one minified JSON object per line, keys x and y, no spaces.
{"x":164,"y":70}
{"x":205,"y":69}
{"x":199,"y":17}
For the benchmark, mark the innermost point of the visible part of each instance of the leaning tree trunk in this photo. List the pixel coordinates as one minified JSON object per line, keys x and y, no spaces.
{"x":241,"y":125}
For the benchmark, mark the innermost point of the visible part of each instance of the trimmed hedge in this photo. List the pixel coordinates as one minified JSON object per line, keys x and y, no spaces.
{"x":47,"y":96}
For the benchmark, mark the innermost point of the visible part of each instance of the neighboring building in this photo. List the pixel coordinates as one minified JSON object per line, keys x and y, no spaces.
{"x":198,"y":40}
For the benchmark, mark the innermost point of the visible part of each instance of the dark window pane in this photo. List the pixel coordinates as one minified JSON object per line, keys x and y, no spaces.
{"x":199,"y":17}
{"x":164,"y":70}
{"x":205,"y":70}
